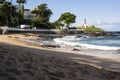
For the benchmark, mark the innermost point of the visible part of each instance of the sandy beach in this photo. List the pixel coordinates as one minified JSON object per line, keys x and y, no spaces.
{"x":21,"y":60}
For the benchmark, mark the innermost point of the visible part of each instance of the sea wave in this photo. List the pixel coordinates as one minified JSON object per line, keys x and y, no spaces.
{"x":73,"y":41}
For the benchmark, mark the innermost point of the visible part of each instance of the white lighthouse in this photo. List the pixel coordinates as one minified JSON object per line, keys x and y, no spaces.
{"x":85,"y":24}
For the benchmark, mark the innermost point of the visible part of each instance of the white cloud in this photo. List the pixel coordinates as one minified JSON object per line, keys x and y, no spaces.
{"x":101,"y":21}
{"x":113,"y":26}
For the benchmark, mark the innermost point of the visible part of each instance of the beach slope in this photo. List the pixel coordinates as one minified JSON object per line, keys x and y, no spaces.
{"x":22,"y":61}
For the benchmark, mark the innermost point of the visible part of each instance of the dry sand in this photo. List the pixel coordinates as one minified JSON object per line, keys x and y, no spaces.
{"x":24,"y":61}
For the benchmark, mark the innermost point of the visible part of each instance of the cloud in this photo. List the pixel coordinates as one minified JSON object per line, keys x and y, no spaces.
{"x":113,"y":26}
{"x":101,"y":21}
{"x":116,"y":23}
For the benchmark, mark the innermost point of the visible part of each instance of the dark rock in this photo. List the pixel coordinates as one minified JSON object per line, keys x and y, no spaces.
{"x":78,"y":36}
{"x":53,"y":46}
{"x":76,"y":49}
{"x":99,"y":34}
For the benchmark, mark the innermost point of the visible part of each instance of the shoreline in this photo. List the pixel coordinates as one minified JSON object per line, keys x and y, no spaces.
{"x":19,"y":40}
{"x":63,"y":62}
{"x":65,"y":47}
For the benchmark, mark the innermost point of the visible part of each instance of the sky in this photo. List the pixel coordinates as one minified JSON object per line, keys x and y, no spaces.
{"x":101,"y":13}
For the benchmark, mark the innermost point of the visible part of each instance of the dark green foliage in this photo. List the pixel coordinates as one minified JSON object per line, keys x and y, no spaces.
{"x":7,"y":11}
{"x":2,"y":1}
{"x":21,"y":11}
{"x":41,"y":25}
{"x":67,"y":18}
{"x":21,"y":1}
{"x":58,"y":24}
{"x":43,"y":14}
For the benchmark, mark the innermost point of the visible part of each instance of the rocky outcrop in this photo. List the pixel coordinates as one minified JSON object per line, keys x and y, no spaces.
{"x":99,"y":34}
{"x":50,"y":46}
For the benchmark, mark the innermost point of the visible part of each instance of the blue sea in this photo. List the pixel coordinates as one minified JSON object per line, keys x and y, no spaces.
{"x":101,"y":42}
{"x":104,"y":46}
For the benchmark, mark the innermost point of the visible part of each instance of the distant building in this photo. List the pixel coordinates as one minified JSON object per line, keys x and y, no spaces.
{"x":17,"y":8}
{"x":85,"y":25}
{"x":28,"y":15}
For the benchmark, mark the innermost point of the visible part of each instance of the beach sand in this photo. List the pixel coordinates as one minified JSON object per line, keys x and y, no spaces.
{"x":20,"y":60}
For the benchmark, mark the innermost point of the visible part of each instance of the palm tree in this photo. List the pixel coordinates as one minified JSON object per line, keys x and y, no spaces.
{"x":21,"y":2}
{"x":1,"y":1}
{"x":21,"y":6}
{"x":21,"y":10}
{"x":5,"y":13}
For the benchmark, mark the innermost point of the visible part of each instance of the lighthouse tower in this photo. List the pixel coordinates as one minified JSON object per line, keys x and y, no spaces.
{"x":85,"y":25}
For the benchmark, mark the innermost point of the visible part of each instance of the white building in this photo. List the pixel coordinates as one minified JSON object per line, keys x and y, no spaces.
{"x":28,"y":15}
{"x":85,"y":25}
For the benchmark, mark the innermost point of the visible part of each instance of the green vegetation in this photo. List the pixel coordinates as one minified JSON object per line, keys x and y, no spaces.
{"x":58,"y":25}
{"x":2,"y":1}
{"x":7,"y":14}
{"x":67,"y":18}
{"x":21,"y":11}
{"x":43,"y":14}
{"x":12,"y":16}
{"x":94,"y":29}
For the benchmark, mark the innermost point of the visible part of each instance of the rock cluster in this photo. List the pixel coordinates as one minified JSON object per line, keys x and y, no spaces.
{"x":99,"y":34}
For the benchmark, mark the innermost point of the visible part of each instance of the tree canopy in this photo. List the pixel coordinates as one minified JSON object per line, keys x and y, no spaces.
{"x":43,"y":13}
{"x":21,"y":11}
{"x":2,"y":1}
{"x":9,"y":16}
{"x":21,"y":1}
{"x":6,"y":12}
{"x":67,"y":18}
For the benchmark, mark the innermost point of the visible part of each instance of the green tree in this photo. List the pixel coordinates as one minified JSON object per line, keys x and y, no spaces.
{"x":2,"y":22}
{"x":21,"y":11}
{"x":58,"y":25}
{"x":21,"y":5}
{"x":6,"y":11}
{"x":43,"y":13}
{"x":67,"y":18}
{"x":2,"y":1}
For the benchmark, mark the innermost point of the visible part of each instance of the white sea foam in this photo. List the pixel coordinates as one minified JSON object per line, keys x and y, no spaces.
{"x":68,"y":43}
{"x":99,"y":47}
{"x":71,"y":40}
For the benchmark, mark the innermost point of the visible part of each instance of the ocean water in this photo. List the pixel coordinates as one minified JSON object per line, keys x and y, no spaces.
{"x":101,"y":43}
{"x":107,"y":46}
